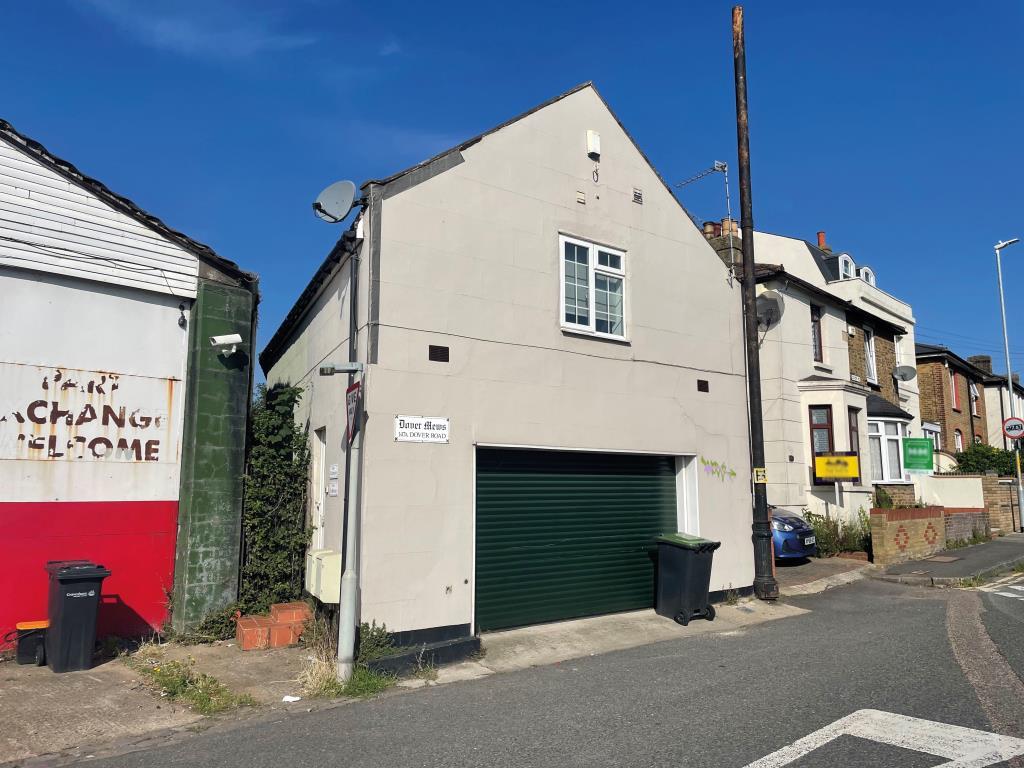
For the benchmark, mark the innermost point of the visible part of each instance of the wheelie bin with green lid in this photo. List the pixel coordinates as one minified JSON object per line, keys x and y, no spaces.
{"x":684,"y":576}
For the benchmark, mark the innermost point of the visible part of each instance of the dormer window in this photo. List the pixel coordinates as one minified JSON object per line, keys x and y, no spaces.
{"x":867,"y":275}
{"x":847,"y":268}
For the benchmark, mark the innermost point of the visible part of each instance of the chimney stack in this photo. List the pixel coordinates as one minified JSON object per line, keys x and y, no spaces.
{"x":981,"y":361}
{"x":821,"y":241}
{"x":729,"y":225}
{"x":1016,"y":378}
{"x":712,"y":229}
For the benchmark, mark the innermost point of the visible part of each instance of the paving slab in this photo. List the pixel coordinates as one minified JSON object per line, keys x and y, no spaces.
{"x":813,"y":572}
{"x":563,"y":640}
{"x":44,"y":712}
{"x":980,"y":561}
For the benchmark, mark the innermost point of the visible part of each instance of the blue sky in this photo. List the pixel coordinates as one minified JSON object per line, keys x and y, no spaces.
{"x":892,"y":126}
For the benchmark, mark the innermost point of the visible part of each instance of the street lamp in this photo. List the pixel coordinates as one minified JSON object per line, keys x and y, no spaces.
{"x":1009,"y":370}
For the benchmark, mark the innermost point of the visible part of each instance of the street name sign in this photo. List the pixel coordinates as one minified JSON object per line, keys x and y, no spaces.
{"x":836,"y":466}
{"x":421,"y":429}
{"x":1013,"y":427}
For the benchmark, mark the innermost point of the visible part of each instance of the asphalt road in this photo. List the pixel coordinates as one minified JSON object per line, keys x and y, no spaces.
{"x":714,"y":700}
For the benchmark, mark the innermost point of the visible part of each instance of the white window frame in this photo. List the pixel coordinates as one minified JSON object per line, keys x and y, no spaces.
{"x":958,"y":441}
{"x":870,"y":361}
{"x":867,"y":275}
{"x":972,"y":392}
{"x":847,"y":268}
{"x":897,"y":342}
{"x":876,"y":430}
{"x":934,"y":433}
{"x":594,"y":269}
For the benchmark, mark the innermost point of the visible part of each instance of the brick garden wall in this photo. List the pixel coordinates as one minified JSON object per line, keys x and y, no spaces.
{"x":902,"y":494}
{"x":963,"y":523}
{"x":898,"y":535}
{"x":998,"y":500}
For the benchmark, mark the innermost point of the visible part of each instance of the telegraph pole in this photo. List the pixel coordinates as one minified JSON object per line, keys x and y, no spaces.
{"x":765,"y":586}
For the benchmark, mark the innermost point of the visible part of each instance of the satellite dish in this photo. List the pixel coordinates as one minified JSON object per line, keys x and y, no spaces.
{"x":769,"y":309}
{"x":904,"y":372}
{"x":334,"y":203}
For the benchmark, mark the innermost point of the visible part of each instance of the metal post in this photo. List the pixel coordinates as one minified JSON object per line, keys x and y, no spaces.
{"x":765,"y":586}
{"x":348,"y":609}
{"x":1009,"y":372}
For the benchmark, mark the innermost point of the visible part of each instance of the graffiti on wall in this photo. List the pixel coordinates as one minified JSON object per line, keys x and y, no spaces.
{"x":60,"y":414}
{"x":718,"y":469}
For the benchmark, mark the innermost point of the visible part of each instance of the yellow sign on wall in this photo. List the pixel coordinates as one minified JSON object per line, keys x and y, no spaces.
{"x":836,"y":466}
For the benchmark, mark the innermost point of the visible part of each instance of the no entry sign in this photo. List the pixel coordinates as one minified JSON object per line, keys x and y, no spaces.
{"x":1013,"y":428}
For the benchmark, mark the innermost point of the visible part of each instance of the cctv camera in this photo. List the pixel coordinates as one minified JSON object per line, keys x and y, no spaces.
{"x":228,"y":340}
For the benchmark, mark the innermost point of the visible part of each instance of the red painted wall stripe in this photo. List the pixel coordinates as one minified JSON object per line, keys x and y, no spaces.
{"x":134,"y":539}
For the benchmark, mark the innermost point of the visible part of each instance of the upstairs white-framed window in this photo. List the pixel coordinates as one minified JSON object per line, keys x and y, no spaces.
{"x":870,"y":366}
{"x":975,"y":397}
{"x":958,"y":441}
{"x":897,"y":345}
{"x":867,"y":275}
{"x":885,"y":437}
{"x":847,"y":268}
{"x":593,"y":288}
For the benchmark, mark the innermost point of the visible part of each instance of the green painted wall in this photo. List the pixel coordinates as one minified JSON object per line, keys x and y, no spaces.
{"x":217,"y":396}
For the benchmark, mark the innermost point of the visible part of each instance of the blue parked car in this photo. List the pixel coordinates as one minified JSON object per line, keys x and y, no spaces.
{"x":792,"y":536}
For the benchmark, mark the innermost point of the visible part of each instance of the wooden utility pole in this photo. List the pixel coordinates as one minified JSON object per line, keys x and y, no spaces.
{"x":765,"y":586}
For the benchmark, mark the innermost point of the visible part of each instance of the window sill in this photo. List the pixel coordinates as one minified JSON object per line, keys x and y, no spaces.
{"x":623,"y":340}
{"x":823,"y":367}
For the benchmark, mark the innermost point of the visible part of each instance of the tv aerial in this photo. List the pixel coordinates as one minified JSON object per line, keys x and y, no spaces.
{"x":334,"y":203}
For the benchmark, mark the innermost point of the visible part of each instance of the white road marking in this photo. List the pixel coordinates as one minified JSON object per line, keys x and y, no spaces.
{"x":963,"y":747}
{"x":1000,"y":586}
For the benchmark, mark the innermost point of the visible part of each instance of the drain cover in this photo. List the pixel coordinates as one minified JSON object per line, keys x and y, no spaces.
{"x":942,"y":559}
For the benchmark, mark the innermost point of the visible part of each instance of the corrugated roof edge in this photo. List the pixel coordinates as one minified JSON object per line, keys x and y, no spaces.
{"x":69,"y":171}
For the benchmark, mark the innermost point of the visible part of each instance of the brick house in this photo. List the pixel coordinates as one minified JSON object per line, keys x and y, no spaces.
{"x":828,"y":364}
{"x":997,"y":401}
{"x":953,"y":408}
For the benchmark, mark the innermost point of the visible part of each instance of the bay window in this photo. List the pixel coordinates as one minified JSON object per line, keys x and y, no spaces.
{"x":885,"y":439}
{"x":593,"y":288}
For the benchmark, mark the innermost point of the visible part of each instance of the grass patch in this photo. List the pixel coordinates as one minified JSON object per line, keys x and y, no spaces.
{"x":1018,"y":568}
{"x":971,"y":582}
{"x":319,"y":676}
{"x":179,"y":681}
{"x":731,"y":597}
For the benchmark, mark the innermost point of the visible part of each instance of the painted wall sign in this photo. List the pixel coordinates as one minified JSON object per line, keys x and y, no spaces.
{"x":61,"y":414}
{"x":917,"y":454}
{"x":837,"y":466}
{"x":421,"y":429}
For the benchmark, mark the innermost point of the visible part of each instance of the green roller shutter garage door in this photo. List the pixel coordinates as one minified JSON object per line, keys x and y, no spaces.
{"x":562,"y":534}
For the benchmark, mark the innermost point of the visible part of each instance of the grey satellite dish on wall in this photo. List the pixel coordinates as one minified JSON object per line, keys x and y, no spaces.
{"x":334,"y":203}
{"x":770,"y":306}
{"x":904,"y":372}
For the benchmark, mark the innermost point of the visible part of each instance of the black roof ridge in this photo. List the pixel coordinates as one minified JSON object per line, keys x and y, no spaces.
{"x":69,"y":171}
{"x":940,"y":350}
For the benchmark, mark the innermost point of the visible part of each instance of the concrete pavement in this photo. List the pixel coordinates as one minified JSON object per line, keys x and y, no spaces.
{"x":718,"y":699}
{"x":952,"y":567}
